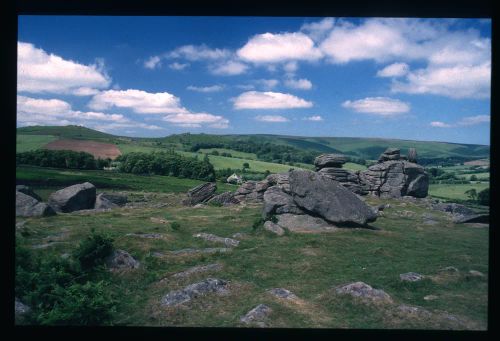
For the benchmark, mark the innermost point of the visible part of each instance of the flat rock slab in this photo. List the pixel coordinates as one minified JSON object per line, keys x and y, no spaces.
{"x":304,"y":224}
{"x":198,"y":269}
{"x":257,"y":315}
{"x":282,"y":293}
{"x":364,"y":291}
{"x":209,"y":285}
{"x":206,"y":250}
{"x":200,"y":194}
{"x":411,"y":277}
{"x":229,"y":242}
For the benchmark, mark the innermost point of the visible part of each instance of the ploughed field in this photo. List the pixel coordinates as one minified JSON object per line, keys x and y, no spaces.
{"x":97,"y":149}
{"x":408,"y":238}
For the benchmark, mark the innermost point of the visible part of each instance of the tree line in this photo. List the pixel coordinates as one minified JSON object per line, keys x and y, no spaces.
{"x":61,"y":159}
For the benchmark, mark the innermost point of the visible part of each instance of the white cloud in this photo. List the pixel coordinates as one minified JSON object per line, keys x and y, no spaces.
{"x":394,"y":70}
{"x":178,"y":66}
{"x":228,"y":68}
{"x":271,"y":118}
{"x":302,"y":84}
{"x":382,"y":106}
{"x":213,"y":88}
{"x":42,"y":106}
{"x":268,"y":84}
{"x":200,"y":52}
{"x":313,"y":118}
{"x":291,"y":67}
{"x":318,"y":30}
{"x":269,"y":100}
{"x":464,"y":122}
{"x":139,"y":101}
{"x":245,"y":86}
{"x":195,"y":120}
{"x":455,"y":81}
{"x":152,"y":63}
{"x":40,"y":72}
{"x":269,"y":48}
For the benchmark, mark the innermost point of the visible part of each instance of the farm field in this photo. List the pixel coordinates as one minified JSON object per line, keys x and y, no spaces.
{"x":97,"y":149}
{"x":26,"y":143}
{"x":454,"y":191}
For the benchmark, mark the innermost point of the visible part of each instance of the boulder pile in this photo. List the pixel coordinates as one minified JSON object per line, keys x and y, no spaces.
{"x":27,"y":206}
{"x":74,"y":198}
{"x":330,"y":165}
{"x":200,"y":194}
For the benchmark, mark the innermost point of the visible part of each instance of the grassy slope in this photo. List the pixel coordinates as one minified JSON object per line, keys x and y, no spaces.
{"x":26,"y":143}
{"x":309,"y":265}
{"x":454,"y":191}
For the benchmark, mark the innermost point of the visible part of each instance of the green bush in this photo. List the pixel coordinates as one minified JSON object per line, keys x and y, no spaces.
{"x":483,"y":197}
{"x":175,"y":225}
{"x":93,"y":249}
{"x":257,"y":224}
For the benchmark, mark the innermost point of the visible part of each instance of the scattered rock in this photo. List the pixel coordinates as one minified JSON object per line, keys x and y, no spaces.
{"x":282,"y":293}
{"x":323,"y":197}
{"x":20,"y":311}
{"x":213,"y":238}
{"x":74,"y":198}
{"x":195,"y":290}
{"x":226,"y":198}
{"x":257,"y":315}
{"x":121,"y":260}
{"x":475,"y":273}
{"x":107,"y":200}
{"x":28,"y":191}
{"x":364,"y":291}
{"x":411,"y":277}
{"x":207,"y":250}
{"x":27,"y":206}
{"x":430,"y":297}
{"x":198,"y":269}
{"x":146,"y":235}
{"x":200,"y":194}
{"x":414,"y":311}
{"x":272,"y":227}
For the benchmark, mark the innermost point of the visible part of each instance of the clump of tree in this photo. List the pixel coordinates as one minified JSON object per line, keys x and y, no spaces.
{"x":483,"y":197}
{"x":167,"y":163}
{"x":61,"y":159}
{"x":62,"y":291}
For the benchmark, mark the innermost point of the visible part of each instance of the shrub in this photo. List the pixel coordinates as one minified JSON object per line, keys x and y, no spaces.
{"x":175,"y":225}
{"x":483,"y":197}
{"x":257,"y":224}
{"x":92,"y":250}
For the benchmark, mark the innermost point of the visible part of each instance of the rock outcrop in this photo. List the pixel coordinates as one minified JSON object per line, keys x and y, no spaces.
{"x":330,"y":165}
{"x":74,"y":198}
{"x":251,"y":191}
{"x":224,"y":199}
{"x":108,"y":200}
{"x":329,"y":160}
{"x":27,"y":206}
{"x":121,"y":260}
{"x":200,"y":194}
{"x":461,"y":214}
{"x":28,"y":191}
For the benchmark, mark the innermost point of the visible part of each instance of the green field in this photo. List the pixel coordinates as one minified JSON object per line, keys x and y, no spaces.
{"x":309,"y":265}
{"x":26,"y":143}
{"x":234,"y":153}
{"x":454,"y":191}
{"x":53,"y":179}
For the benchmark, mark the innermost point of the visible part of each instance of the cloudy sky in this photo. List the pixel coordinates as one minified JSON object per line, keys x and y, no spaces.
{"x":154,"y":76}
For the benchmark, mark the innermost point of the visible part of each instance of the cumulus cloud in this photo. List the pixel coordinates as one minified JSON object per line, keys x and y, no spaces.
{"x":271,"y":118}
{"x":213,"y":88}
{"x":315,"y":118}
{"x":41,"y":72}
{"x":196,"y":120}
{"x":152,"y":63}
{"x":301,"y":84}
{"x":394,"y":70}
{"x":291,"y":67}
{"x":464,"y":122}
{"x":270,"y":48}
{"x":198,"y":52}
{"x":139,"y":101}
{"x":228,"y":68}
{"x":267,"y":83}
{"x":381,"y":106}
{"x":269,"y":100}
{"x":178,"y":66}
{"x":318,"y":30}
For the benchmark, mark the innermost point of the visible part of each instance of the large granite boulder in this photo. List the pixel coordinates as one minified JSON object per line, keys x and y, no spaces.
{"x":326,"y":198}
{"x":276,"y":201}
{"x":200,"y":194}
{"x":28,"y":191}
{"x":390,"y":154}
{"x":108,"y":200}
{"x":280,"y":180}
{"x":74,"y":198}
{"x":27,"y":206}
{"x":329,"y":160}
{"x":347,"y":178}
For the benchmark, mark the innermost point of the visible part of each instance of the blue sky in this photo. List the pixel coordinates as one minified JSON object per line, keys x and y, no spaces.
{"x":417,"y":79}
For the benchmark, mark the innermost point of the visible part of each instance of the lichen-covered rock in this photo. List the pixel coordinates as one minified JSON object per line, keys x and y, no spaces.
{"x":329,"y":160}
{"x":282,"y":293}
{"x":274,"y":228}
{"x":224,"y":199}
{"x":326,"y":198}
{"x":411,"y":277}
{"x":108,"y":200}
{"x":74,"y":198}
{"x":276,"y":201}
{"x":121,"y":260}
{"x":252,"y":191}
{"x":27,"y":206}
{"x":280,"y":180}
{"x":304,"y":223}
{"x":364,"y":291}
{"x":213,"y":238}
{"x":28,"y":191}
{"x":200,"y":194}
{"x":347,"y":178}
{"x":257,"y":315}
{"x":209,"y":285}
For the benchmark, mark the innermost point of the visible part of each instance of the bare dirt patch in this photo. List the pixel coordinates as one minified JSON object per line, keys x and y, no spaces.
{"x":97,"y":149}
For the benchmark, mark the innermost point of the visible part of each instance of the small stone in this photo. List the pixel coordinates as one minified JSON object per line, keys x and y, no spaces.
{"x":238,"y":235}
{"x":363,"y":290}
{"x":475,"y":273}
{"x":257,"y":315}
{"x":282,"y":293}
{"x":411,"y":277}
{"x":449,"y":269}
{"x":430,"y":297}
{"x":121,"y":260}
{"x":195,"y":290}
{"x":213,"y":238}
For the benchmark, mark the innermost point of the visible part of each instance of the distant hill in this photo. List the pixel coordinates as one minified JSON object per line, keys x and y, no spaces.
{"x":366,"y":148}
